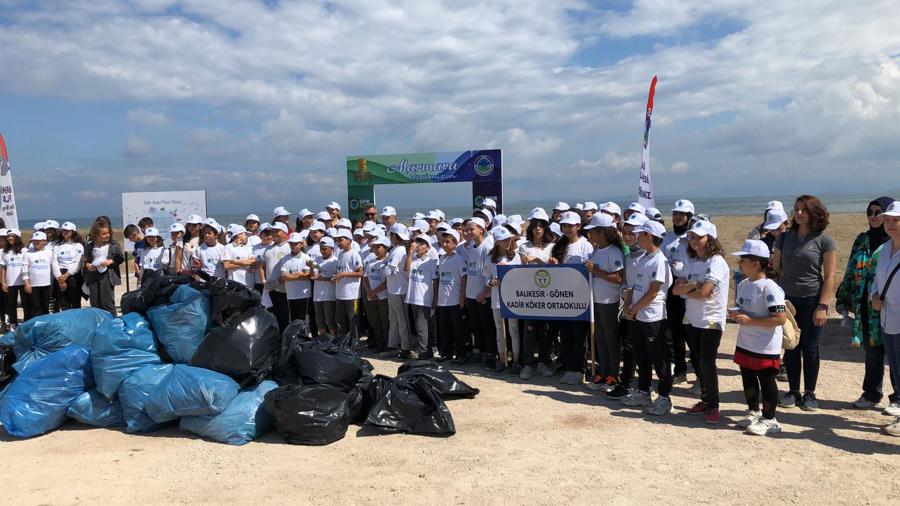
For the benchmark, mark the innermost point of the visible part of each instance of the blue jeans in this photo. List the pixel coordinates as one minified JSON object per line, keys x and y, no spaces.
{"x":805,"y":357}
{"x":874,"y":375}
{"x":892,"y":352}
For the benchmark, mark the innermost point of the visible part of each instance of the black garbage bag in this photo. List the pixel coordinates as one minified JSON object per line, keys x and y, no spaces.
{"x":310,"y":414}
{"x":321,"y":362}
{"x":360,"y":403}
{"x":7,"y":359}
{"x":246,"y":349}
{"x":155,"y":289}
{"x":408,"y":405}
{"x":295,"y":334}
{"x":349,"y":341}
{"x":444,"y":381}
{"x":230,"y":299}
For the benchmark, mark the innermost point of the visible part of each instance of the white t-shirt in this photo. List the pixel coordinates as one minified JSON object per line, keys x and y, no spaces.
{"x":14,"y":261}
{"x":478,"y":256}
{"x":675,"y":249}
{"x":243,"y":274}
{"x":258,"y":250}
{"x":173,"y":252}
{"x":543,"y":253}
{"x":759,"y":299}
{"x":323,"y":289}
{"x":631,"y":266}
{"x":187,"y":253}
{"x":154,"y":259}
{"x":69,"y":256}
{"x":651,"y":267}
{"x":253,"y":240}
{"x":451,"y":272}
{"x":348,"y":288}
{"x":608,"y":259}
{"x":578,"y":252}
{"x":301,"y":288}
{"x":211,"y":259}
{"x":712,"y":312}
{"x":397,"y":277}
{"x":490,"y":272}
{"x":422,"y":273}
{"x":375,"y":273}
{"x":38,"y":266}
{"x":272,"y":256}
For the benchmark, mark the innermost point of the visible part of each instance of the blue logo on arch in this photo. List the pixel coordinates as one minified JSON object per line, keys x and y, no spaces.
{"x":484,"y":165}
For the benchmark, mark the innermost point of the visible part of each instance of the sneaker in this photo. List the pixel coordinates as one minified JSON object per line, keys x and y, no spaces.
{"x":863,"y":403}
{"x":679,"y":379}
{"x":661,"y":406}
{"x":751,"y":418}
{"x":894,"y":428}
{"x":566,"y":378}
{"x":500,"y":368}
{"x":788,"y":400}
{"x":893,"y":409}
{"x":809,"y":402}
{"x":618,"y":393}
{"x":712,"y":416}
{"x":526,"y":373}
{"x":514,"y":370}
{"x":389,"y":353}
{"x":696,"y":390}
{"x":764,"y":427}
{"x":577,"y":378}
{"x":637,"y":399}
{"x":543,"y":370}
{"x":598,"y":383}
{"x":609,"y":385}
{"x":698,"y":409}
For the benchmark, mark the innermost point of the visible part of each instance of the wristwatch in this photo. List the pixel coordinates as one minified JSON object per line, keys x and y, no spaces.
{"x":823,"y":307}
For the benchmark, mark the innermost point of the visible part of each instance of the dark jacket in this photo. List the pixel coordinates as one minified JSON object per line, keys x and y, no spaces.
{"x":113,"y":271}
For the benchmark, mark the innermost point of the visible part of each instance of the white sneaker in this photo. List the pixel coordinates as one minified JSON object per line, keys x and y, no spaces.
{"x":863,"y":403}
{"x":751,"y":418}
{"x":637,"y":399}
{"x":526,"y":373}
{"x":661,"y":406}
{"x":893,"y":409}
{"x":543,"y":370}
{"x":894,"y":428}
{"x":764,"y":427}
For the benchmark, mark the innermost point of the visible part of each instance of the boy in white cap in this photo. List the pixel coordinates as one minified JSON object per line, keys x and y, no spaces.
{"x":269,"y":273}
{"x":282,"y":215}
{"x":397,"y":286}
{"x":375,"y":284}
{"x":238,"y":259}
{"x":421,"y":294}
{"x":451,"y":304}
{"x":346,"y":282}
{"x":36,"y":275}
{"x":296,"y":275}
{"x":478,"y":313}
{"x":325,"y":267}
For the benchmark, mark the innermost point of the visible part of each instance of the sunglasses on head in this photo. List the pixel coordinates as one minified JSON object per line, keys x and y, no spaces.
{"x":873,"y":212}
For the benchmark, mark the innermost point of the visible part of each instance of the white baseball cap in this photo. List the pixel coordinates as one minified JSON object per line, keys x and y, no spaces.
{"x":343,"y":223}
{"x":323,"y":216}
{"x":591,"y":206}
{"x":653,"y":213}
{"x":600,"y":220}
{"x":612,"y":208}
{"x":653,"y":228}
{"x":280,"y":211}
{"x":538,"y":213}
{"x":39,"y":236}
{"x":176,"y":227}
{"x":515,"y":220}
{"x":634,"y":206}
{"x":400,"y":230}
{"x":51,"y":224}
{"x":501,"y":233}
{"x":14,"y":231}
{"x":331,"y":231}
{"x":420,"y":225}
{"x":433,"y":215}
{"x":418,"y":216}
{"x":4,"y":232}
{"x":441,"y":214}
{"x":235,"y":229}
{"x":40,"y":225}
{"x":305,"y":212}
{"x":151,"y":232}
{"x":264,"y":227}
{"x":554,"y":227}
{"x":774,"y":219}
{"x":579,"y":206}
{"x":68,"y":225}
{"x":381,"y":241}
{"x":388,"y":211}
{"x":570,"y":218}
{"x":194,"y":219}
{"x":637,"y":219}
{"x":326,"y":242}
{"x":753,"y":247}
{"x":498,"y":220}
{"x":478,"y":221}
{"x":774,"y":204}
{"x":279,"y":226}
{"x":443,"y":226}
{"x":317,"y":225}
{"x":683,"y":206}
{"x":333,"y":205}
{"x":452,"y":233}
{"x":489,"y":203}
{"x":456,"y":221}
{"x":251,"y":217}
{"x":561,"y":206}
{"x":210,"y":221}
{"x":295,"y":237}
{"x":343,"y":232}
{"x":359,"y":233}
{"x":702,"y":228}
{"x":892,"y":210}
{"x":488,"y":215}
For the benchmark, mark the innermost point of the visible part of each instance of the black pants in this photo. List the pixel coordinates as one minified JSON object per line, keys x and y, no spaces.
{"x":377,"y":315}
{"x":761,"y":381}
{"x":874,"y":375}
{"x":451,"y":331}
{"x":804,"y":359}
{"x":281,"y":309}
{"x":38,"y":303}
{"x":481,"y":322}
{"x":15,"y":294}
{"x":571,"y":345}
{"x":313,"y":324}
{"x":70,"y":298}
{"x":297,"y":308}
{"x":55,"y":295}
{"x":627,"y":373}
{"x":704,"y":345}
{"x":103,"y":294}
{"x":651,"y":349}
{"x":606,"y":339}
{"x":536,"y":334}
{"x":675,"y":315}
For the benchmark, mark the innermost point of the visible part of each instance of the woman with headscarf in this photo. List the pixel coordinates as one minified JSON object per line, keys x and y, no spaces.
{"x":852,"y":297}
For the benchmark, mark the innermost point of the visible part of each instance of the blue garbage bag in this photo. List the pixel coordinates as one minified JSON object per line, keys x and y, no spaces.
{"x":186,"y":293}
{"x":243,"y":420}
{"x":121,"y":346}
{"x":42,"y":335}
{"x":181,"y":326}
{"x":37,"y":400}
{"x":8,"y":338}
{"x":133,"y":395}
{"x":93,"y":408}
{"x":190,"y":391}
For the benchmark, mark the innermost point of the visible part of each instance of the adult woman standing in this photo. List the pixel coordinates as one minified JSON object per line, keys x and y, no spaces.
{"x":804,"y":259}
{"x":853,"y":297}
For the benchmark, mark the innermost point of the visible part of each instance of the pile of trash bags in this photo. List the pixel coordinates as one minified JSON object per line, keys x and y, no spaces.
{"x":207,"y":357}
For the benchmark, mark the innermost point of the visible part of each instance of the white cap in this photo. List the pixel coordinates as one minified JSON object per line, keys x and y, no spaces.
{"x":317,"y":225}
{"x":498,"y":220}
{"x":39,"y":236}
{"x":443,"y":226}
{"x":636,"y":219}
{"x":323,"y":216}
{"x":326,"y":242}
{"x":343,"y":223}
{"x":359,"y":233}
{"x":210,"y":221}
{"x":333,"y":205}
{"x":554,"y":227}
{"x":400,"y":230}
{"x":579,"y":206}
{"x":561,"y":206}
{"x":753,"y":247}
{"x":423,"y":238}
{"x":774,"y":219}
{"x":452,"y":233}
{"x":295,"y":237}
{"x":194,"y":219}
{"x":388,"y":211}
{"x":478,"y":221}
{"x":456,"y":221}
{"x":489,"y":203}
{"x":892,"y":210}
{"x":51,"y":224}
{"x":486,"y":213}
{"x":441,"y":214}
{"x":420,"y":225}
{"x":40,"y":225}
{"x":774,"y":204}
{"x":634,"y":206}
{"x":14,"y":231}
{"x":151,"y":232}
{"x":331,"y":231}
{"x":382,"y":241}
{"x":653,"y":213}
{"x":591,"y":206}
{"x":176,"y":227}
{"x":4,"y":232}
{"x":235,"y":229}
{"x":653,"y":228}
{"x":433,"y":215}
{"x":343,"y":232}
{"x":600,"y":220}
{"x":515,"y":220}
{"x":570,"y":218}
{"x":251,"y":217}
{"x":279,"y":226}
{"x":501,"y":233}
{"x":418,"y":216}
{"x":280,"y":211}
{"x":683,"y":206}
{"x":702,"y":228}
{"x":68,"y":225}
{"x":612,"y":208}
{"x":264,"y":227}
{"x":538,"y":213}
{"x":305,"y":212}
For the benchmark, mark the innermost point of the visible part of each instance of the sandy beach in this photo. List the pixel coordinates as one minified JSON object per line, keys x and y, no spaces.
{"x":518,"y":442}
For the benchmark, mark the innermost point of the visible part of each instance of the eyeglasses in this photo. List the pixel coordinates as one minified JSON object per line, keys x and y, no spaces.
{"x":873,"y":212}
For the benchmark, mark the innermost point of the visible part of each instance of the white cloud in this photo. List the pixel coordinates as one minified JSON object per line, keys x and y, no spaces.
{"x":147,"y":117}
{"x":135,"y":147}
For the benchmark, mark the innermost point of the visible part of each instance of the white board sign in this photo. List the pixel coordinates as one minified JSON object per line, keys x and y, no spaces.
{"x":164,"y":208}
{"x":546,"y":292}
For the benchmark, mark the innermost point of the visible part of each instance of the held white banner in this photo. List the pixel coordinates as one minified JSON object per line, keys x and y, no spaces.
{"x":646,"y":197}
{"x":165,"y":208}
{"x":8,"y":198}
{"x":546,"y":292}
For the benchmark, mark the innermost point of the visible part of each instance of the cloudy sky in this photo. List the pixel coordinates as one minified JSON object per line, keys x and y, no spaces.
{"x":259,"y":102}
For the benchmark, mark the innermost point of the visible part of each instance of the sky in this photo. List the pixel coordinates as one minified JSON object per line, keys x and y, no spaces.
{"x":260,"y":102}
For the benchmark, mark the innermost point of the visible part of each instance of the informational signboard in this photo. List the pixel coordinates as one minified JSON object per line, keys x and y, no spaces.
{"x":545,"y":292}
{"x":480,"y":167}
{"x":164,"y":208}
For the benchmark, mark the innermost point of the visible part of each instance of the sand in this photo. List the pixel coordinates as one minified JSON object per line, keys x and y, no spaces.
{"x":518,"y":442}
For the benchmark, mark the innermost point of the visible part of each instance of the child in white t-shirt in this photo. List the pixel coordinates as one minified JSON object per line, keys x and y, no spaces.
{"x":503,"y":253}
{"x":421,"y":293}
{"x":154,"y":257}
{"x":323,"y":287}
{"x":36,"y":276}
{"x":238,"y":260}
{"x":346,"y":281}
{"x":295,"y":272}
{"x":207,"y":257}
{"x":451,"y":331}
{"x":12,"y":261}
{"x":375,"y":282}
